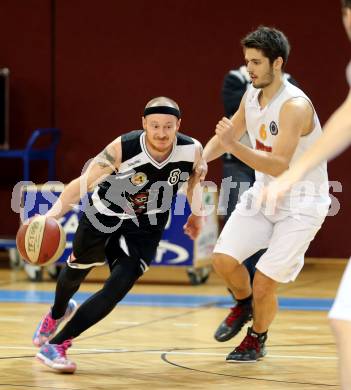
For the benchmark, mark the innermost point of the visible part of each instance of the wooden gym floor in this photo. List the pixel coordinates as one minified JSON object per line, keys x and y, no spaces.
{"x":161,"y":336}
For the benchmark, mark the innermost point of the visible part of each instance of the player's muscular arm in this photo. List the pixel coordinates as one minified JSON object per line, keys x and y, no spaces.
{"x":107,"y":157}
{"x":103,"y":164}
{"x":295,"y":120}
{"x":214,"y":148}
{"x":98,"y":169}
{"x":335,"y":138}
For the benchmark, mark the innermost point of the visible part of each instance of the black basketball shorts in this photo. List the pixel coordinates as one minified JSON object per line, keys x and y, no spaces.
{"x":91,"y":247}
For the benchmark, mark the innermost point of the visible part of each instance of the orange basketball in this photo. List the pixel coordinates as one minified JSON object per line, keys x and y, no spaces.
{"x":41,"y":240}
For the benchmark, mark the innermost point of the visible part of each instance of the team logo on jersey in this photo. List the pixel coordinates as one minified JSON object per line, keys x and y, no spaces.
{"x":138,"y":179}
{"x":138,"y":202}
{"x":174,"y":176}
{"x":263,"y":132}
{"x":261,"y":146}
{"x":273,"y":128}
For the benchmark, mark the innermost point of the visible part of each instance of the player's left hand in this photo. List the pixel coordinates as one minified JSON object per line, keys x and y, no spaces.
{"x":193,"y":226}
{"x":225,"y":132}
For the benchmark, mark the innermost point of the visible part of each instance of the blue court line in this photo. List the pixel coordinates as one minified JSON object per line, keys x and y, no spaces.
{"x":169,"y":300}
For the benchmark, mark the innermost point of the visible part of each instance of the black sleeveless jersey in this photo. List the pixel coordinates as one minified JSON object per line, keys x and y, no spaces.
{"x":142,"y":186}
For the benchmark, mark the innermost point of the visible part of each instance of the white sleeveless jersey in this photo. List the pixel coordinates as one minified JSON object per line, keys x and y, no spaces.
{"x":263,"y":128}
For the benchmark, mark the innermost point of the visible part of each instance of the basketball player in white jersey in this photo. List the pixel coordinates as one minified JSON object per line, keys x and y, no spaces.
{"x":336,"y":137}
{"x":281,"y":123}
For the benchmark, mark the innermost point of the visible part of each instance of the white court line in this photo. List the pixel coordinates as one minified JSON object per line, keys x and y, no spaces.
{"x":180,"y":353}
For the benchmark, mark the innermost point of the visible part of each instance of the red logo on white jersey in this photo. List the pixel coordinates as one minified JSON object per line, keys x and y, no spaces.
{"x":261,"y":146}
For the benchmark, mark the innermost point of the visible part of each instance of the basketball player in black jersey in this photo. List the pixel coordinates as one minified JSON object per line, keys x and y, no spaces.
{"x":133,"y":181}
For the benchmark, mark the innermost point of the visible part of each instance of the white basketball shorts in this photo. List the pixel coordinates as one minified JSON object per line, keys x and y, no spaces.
{"x":286,"y":237}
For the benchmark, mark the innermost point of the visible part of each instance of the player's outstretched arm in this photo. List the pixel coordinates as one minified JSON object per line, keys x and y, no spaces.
{"x":97,"y":170}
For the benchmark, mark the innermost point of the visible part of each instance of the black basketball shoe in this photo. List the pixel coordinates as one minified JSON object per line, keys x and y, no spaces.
{"x":239,"y":315}
{"x":251,"y":349}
